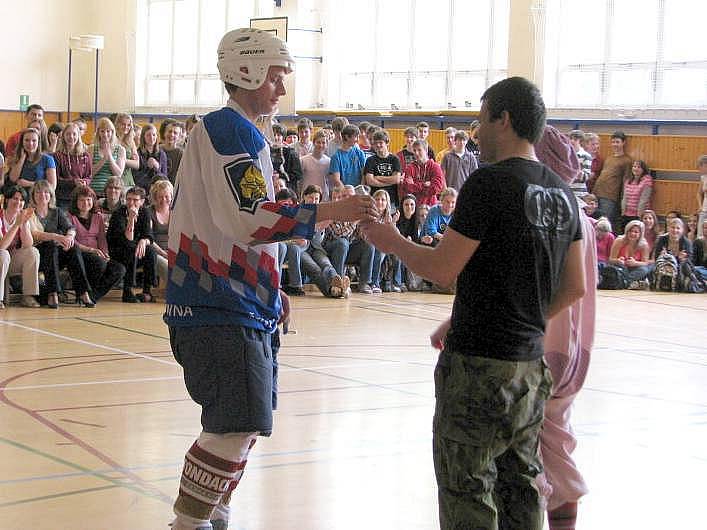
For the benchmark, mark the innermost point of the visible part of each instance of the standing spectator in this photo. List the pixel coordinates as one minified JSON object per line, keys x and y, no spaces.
{"x":315,"y":166}
{"x":364,"y":143}
{"x":17,"y":251}
{"x":303,"y":146}
{"x":449,"y":133}
{"x":161,"y":193}
{"x":579,"y":185}
{"x":638,"y":191}
{"x":108,"y":156}
{"x":382,"y":169}
{"x":33,"y":113}
{"x":486,"y":427}
{"x":170,"y":134}
{"x":423,"y":132}
{"x":130,"y":243}
{"x":702,"y":195}
{"x":472,"y":144}
{"x":458,"y":164}
{"x":188,"y":126}
{"x":591,"y":143}
{"x":126,"y":137}
{"x":346,"y":166}
{"x":337,"y":125}
{"x":29,"y":164}
{"x":285,"y":162}
{"x":423,"y":178}
{"x":405,"y":155}
{"x":102,"y":272}
{"x":153,"y":159}
{"x":73,"y":164}
{"x":609,"y":185}
{"x":53,"y":133}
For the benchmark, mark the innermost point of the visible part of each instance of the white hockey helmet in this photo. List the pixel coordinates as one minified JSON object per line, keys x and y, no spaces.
{"x":246,"y":54}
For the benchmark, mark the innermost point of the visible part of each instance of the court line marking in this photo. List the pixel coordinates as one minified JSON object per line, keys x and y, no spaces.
{"x":87,"y":343}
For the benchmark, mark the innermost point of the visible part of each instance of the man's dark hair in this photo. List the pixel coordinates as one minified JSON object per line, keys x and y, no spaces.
{"x":524,"y":104}
{"x":620,"y":135}
{"x":34,"y":106}
{"x":280,"y":129}
{"x":136,"y":190}
{"x":349,"y":131}
{"x":9,"y":192}
{"x":286,"y":194}
{"x":381,"y":134}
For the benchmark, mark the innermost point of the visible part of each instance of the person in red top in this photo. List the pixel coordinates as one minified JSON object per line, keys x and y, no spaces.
{"x":423,"y":177}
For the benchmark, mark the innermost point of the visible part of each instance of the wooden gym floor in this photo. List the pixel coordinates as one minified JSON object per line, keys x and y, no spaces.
{"x":95,"y":418}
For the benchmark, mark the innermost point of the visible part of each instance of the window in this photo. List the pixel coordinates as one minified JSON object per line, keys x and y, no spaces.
{"x":176,"y":43}
{"x":625,"y":53}
{"x":418,"y":53}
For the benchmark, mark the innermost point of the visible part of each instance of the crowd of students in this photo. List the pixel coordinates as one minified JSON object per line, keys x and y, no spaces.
{"x":60,"y":197}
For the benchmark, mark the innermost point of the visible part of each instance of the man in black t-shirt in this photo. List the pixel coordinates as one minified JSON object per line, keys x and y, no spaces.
{"x":382,"y":170}
{"x":514,"y":247}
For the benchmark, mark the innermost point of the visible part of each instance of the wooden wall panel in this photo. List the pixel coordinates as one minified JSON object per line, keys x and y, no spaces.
{"x":662,"y":153}
{"x":678,"y":195}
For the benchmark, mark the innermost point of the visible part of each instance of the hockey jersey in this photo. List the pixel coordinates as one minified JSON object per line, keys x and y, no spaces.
{"x":223,"y":264}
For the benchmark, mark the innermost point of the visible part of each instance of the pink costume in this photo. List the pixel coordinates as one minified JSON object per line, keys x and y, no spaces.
{"x":569,"y":337}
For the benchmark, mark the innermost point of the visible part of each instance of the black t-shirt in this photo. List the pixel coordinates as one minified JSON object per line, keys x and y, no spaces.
{"x":525,"y":218}
{"x":385,"y":167}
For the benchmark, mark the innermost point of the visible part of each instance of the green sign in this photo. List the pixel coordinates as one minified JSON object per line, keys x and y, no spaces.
{"x":24,"y":102}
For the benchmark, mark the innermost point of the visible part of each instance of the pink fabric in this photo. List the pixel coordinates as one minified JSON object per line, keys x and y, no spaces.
{"x":556,"y":152}
{"x":604,"y":247}
{"x":632,"y":195}
{"x":95,"y":235}
{"x":569,"y":338}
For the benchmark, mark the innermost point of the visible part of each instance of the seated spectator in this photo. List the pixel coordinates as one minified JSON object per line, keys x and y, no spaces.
{"x":691,"y":227}
{"x":160,"y":201}
{"x":384,"y":208}
{"x":171,"y":134}
{"x":54,"y":236}
{"x":458,"y":164}
{"x":650,"y":221}
{"x":700,"y":252}
{"x":303,"y":146}
{"x":108,"y":156}
{"x":591,"y":206}
{"x":344,"y":244}
{"x":73,"y":164}
{"x":152,"y":159}
{"x":630,"y":252}
{"x":309,"y":259}
{"x":17,"y":252}
{"x":125,"y":133}
{"x":346,"y":166}
{"x":408,"y":228}
{"x":382,"y":169}
{"x":53,"y":134}
{"x":290,"y":137}
{"x":423,"y":178}
{"x":113,"y":198}
{"x":605,"y":240}
{"x":33,"y":115}
{"x":29,"y":163}
{"x":439,"y":218}
{"x":285,"y":162}
{"x":675,"y":243}
{"x":405,"y":155}
{"x":702,"y":195}
{"x":315,"y":166}
{"x":423,"y":132}
{"x":83,"y":127}
{"x":449,"y":133}
{"x":579,"y":185}
{"x":102,"y":272}
{"x":280,"y":184}
{"x":638,"y":192}
{"x":130,"y":243}
{"x":672,"y":214}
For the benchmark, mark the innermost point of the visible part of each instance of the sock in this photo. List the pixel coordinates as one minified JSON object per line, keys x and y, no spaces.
{"x":564,"y":517}
{"x":222,"y":511}
{"x":205,"y":479}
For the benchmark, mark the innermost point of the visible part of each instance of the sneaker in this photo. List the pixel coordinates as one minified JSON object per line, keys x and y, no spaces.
{"x":634,"y":285}
{"x":293,"y":291}
{"x":376,"y":290}
{"x":29,"y":301}
{"x":387,"y":287}
{"x":364,"y":288}
{"x":396,"y":289}
{"x":644,"y":284}
{"x":403,"y":288}
{"x":340,"y":287}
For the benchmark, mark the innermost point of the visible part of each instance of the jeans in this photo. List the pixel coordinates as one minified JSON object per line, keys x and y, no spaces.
{"x":378,"y":258}
{"x":609,"y":208}
{"x":342,"y":251}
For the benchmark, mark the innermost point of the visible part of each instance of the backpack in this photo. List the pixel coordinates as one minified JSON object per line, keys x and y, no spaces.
{"x":613,"y":277}
{"x":689,"y":281}
{"x":665,"y":273}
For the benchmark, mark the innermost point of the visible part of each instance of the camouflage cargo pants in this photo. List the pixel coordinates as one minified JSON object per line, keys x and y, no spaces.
{"x":486,"y":427}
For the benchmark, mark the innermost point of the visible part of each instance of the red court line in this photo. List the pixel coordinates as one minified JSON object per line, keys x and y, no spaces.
{"x":71,"y":437}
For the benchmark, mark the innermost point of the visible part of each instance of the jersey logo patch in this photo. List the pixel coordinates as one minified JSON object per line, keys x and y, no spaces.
{"x":246,"y":182}
{"x":547,"y":208}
